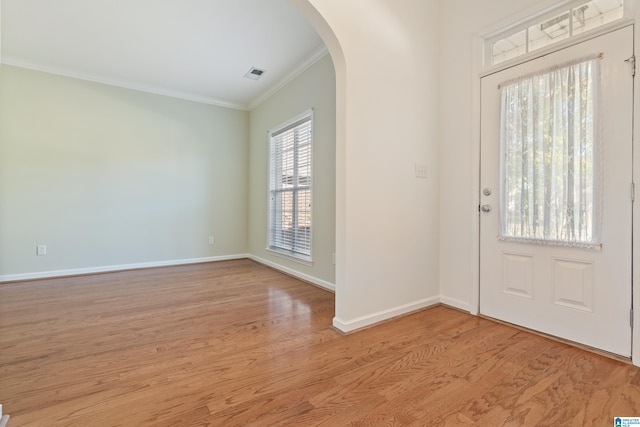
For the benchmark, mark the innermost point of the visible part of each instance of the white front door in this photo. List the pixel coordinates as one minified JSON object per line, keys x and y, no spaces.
{"x":556,"y":175}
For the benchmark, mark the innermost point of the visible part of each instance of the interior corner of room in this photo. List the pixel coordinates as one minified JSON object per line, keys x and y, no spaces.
{"x":96,"y":178}
{"x":100,"y":176}
{"x":458,"y":174}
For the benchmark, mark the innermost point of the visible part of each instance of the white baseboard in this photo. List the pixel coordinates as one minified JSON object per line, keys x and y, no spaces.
{"x":4,"y":420}
{"x":305,"y":277}
{"x":109,"y":268}
{"x":347,"y":326}
{"x":462,"y":305}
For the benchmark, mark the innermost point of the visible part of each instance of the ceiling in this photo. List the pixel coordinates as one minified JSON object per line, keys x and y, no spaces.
{"x":192,"y":49}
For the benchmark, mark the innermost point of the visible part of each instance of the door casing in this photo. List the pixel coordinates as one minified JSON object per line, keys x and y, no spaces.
{"x":478,"y":70}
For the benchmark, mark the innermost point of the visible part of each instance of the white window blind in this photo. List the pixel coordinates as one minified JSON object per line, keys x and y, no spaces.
{"x":290,"y":188}
{"x":550,"y":156}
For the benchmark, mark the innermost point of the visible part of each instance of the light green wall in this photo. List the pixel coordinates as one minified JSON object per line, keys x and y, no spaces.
{"x":107,"y":176}
{"x":313,"y":89}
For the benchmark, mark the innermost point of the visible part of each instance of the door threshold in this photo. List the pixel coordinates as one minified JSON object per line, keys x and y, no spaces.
{"x":626,"y":360}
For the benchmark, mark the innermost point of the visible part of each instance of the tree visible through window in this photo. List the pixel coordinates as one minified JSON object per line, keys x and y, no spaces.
{"x":554,"y":26}
{"x":290,"y":188}
{"x":550,"y":169}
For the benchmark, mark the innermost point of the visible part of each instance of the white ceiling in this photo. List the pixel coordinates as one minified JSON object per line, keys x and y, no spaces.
{"x":192,"y":49}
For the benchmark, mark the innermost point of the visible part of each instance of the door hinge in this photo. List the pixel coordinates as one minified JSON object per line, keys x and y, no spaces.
{"x":633,"y":192}
{"x":631,"y":317}
{"x":632,"y":61}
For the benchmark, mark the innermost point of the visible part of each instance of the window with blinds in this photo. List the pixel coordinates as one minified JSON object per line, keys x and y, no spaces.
{"x":290,"y":187}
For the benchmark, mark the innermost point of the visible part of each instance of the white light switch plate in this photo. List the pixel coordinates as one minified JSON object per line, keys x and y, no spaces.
{"x":421,"y":170}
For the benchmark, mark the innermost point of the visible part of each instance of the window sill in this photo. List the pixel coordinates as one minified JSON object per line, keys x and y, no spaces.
{"x":300,"y":259}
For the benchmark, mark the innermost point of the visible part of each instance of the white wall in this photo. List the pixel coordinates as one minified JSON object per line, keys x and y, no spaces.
{"x":386,"y":56}
{"x":313,"y":89}
{"x":404,"y":94}
{"x":107,"y":176}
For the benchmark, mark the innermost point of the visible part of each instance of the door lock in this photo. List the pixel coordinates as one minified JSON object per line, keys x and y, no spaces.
{"x":485,"y":208}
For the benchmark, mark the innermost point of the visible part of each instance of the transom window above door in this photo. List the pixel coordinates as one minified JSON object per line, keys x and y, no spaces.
{"x":553,"y":26}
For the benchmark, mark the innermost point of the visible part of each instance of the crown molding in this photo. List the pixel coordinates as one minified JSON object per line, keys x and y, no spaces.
{"x":157,"y":90}
{"x":315,"y":57}
{"x":17,"y":62}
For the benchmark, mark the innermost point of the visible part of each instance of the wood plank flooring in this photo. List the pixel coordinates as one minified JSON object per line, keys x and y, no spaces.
{"x":235,"y":343}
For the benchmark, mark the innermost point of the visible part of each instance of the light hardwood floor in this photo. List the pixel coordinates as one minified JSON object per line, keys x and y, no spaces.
{"x":236,"y":343}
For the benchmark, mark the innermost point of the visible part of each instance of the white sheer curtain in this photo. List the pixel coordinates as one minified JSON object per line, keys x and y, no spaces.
{"x":551,"y":156}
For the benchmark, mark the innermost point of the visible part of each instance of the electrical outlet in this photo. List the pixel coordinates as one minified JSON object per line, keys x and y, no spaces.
{"x":41,"y":250}
{"x":212,"y":240}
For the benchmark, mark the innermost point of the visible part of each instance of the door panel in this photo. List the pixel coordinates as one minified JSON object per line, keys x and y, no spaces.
{"x":582,"y":294}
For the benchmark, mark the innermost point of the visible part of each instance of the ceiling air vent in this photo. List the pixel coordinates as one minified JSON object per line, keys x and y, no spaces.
{"x":254,"y":73}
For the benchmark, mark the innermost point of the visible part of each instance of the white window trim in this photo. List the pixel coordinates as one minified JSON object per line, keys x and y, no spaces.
{"x":300,"y":259}
{"x":281,"y":253}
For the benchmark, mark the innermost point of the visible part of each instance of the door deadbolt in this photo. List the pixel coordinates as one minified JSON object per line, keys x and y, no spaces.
{"x":486,"y":191}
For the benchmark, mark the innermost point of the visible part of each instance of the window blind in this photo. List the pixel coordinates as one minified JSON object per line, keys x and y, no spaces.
{"x":290,"y":188}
